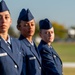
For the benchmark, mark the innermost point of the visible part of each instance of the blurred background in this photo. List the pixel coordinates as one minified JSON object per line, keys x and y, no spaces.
{"x":62,"y":16}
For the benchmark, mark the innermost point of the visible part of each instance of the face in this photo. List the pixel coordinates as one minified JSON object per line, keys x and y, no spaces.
{"x":5,"y":21}
{"x":47,"y":35}
{"x":27,"y":28}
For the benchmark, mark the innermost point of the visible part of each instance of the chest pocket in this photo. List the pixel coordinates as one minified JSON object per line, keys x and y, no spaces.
{"x":56,"y":59}
{"x":31,"y":57}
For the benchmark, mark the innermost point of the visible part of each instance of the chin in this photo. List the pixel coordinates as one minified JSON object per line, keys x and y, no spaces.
{"x":30,"y":35}
{"x":51,"y":41}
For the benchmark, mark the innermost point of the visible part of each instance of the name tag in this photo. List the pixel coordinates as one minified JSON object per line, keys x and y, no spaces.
{"x":31,"y":58}
{"x":3,"y":54}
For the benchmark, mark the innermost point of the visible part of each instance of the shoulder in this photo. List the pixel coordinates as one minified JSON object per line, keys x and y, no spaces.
{"x":16,"y":43}
{"x":15,"y":40}
{"x":43,"y":48}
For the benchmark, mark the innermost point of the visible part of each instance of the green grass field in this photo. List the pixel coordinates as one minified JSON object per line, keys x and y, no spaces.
{"x":66,"y":52}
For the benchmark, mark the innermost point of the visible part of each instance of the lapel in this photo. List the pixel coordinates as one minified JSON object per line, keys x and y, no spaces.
{"x":51,"y":49}
{"x":15,"y":51}
{"x":6,"y":49}
{"x":32,"y":49}
{"x":54,"y":52}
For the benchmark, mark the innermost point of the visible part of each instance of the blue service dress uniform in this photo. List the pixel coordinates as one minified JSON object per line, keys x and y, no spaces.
{"x":10,"y":60}
{"x":51,"y":62}
{"x":31,"y":60}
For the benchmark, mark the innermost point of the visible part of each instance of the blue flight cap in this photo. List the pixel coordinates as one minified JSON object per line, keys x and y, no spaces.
{"x":21,"y":15}
{"x":45,"y":24}
{"x":3,"y":6}
{"x":28,"y":16}
{"x":25,"y":15}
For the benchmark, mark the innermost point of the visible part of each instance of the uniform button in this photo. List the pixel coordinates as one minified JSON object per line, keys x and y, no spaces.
{"x":15,"y":66}
{"x":19,"y":52}
{"x":39,"y":67}
{"x":54,"y":56}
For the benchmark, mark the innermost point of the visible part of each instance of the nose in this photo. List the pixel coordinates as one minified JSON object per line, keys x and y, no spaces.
{"x":3,"y":20}
{"x":49,"y":34}
{"x":30,"y":26}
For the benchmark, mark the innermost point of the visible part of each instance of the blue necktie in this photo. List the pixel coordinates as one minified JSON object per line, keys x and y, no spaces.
{"x":9,"y":45}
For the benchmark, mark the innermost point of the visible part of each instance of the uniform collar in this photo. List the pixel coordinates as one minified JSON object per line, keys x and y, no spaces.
{"x":8,"y":40}
{"x":23,"y":38}
{"x":46,"y":44}
{"x":32,"y":43}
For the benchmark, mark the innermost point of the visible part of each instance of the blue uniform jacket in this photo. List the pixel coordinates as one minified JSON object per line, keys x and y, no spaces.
{"x":51,"y":62}
{"x":32,"y":61}
{"x":10,"y":61}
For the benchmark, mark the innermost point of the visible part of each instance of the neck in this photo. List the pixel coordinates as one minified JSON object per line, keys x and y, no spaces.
{"x":29,"y":39}
{"x":49,"y":44}
{"x":4,"y":36}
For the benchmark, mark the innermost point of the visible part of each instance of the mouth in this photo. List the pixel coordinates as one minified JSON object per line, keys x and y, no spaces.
{"x":3,"y":26}
{"x":31,"y":31}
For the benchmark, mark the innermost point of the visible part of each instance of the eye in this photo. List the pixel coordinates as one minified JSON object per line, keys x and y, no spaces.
{"x":52,"y":32}
{"x":46,"y":32}
{"x":25,"y":25}
{"x":32,"y":24}
{"x":6,"y":17}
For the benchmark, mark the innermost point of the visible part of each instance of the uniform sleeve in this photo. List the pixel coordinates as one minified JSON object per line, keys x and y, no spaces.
{"x":48,"y":64}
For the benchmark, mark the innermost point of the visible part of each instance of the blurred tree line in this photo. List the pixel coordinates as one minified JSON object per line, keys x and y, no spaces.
{"x":12,"y":32}
{"x":60,"y":31}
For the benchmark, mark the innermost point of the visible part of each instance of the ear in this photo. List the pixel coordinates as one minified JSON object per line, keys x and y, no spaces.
{"x":18,"y":27}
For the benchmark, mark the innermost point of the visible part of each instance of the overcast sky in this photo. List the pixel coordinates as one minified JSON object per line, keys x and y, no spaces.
{"x":61,"y":11}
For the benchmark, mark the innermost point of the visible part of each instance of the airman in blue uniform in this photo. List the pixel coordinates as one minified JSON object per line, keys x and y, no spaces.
{"x":51,"y":62}
{"x":31,"y":60}
{"x":10,"y":54}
